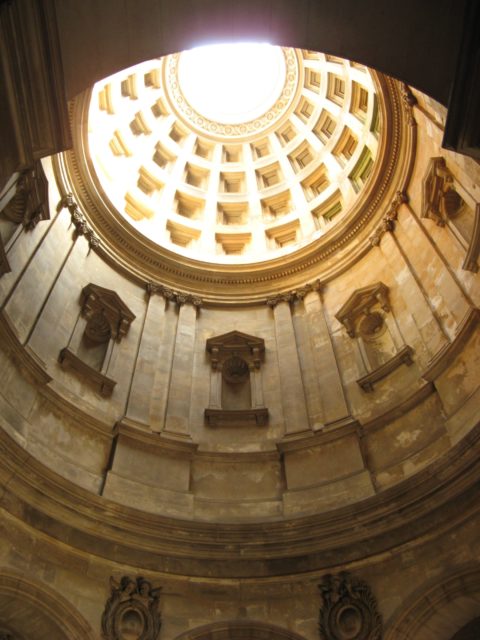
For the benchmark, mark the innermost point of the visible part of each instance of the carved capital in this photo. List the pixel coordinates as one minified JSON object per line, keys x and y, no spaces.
{"x":132,"y":610}
{"x":187,"y":298}
{"x":153,"y":288}
{"x":299,"y":294}
{"x":409,"y":101}
{"x":282,"y":297}
{"x":295,"y":294}
{"x":349,"y":609}
{"x":82,"y":227}
{"x":388,"y":221}
{"x":167,"y":293}
{"x":177,"y":297}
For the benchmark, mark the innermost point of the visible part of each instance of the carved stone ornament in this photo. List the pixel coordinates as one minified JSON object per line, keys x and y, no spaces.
{"x":175,"y":296}
{"x":29,"y":205}
{"x":98,"y":300}
{"x":79,"y":222}
{"x":294,"y":295}
{"x":233,"y":344}
{"x":349,"y":610}
{"x":360,"y":303}
{"x":388,"y":221}
{"x":131,"y":612}
{"x":439,"y":198}
{"x":409,"y":101}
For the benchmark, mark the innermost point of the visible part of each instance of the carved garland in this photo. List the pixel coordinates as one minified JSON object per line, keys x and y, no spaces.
{"x":132,"y":610}
{"x":349,"y":610}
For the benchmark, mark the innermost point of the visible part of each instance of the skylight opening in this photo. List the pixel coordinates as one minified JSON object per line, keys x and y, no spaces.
{"x":232,"y":83}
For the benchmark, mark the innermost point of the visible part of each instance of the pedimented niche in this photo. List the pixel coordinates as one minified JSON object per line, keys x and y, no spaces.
{"x":104,"y":319}
{"x":368,"y":319}
{"x":23,"y":205}
{"x":443,"y":203}
{"x":236,"y":395}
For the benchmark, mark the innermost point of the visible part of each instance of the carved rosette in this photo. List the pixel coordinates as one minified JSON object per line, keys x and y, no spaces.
{"x":349,"y":610}
{"x":131,"y":612}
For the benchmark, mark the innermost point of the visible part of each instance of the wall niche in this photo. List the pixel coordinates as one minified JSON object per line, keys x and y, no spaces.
{"x":449,"y":205}
{"x":23,"y":204}
{"x":368,"y":319}
{"x":103,"y":320}
{"x":236,"y":392}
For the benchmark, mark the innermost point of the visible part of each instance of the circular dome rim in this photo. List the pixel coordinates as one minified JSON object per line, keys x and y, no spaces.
{"x":245,"y":283}
{"x":250,"y":135}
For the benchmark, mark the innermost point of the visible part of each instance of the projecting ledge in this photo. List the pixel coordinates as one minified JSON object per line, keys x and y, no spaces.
{"x":237,"y":417}
{"x":404,"y":356}
{"x":451,"y":350}
{"x":104,"y":383}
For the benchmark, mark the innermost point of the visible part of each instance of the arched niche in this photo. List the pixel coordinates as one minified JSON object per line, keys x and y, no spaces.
{"x":30,"y":610}
{"x":442,"y":609}
{"x":239,"y":630}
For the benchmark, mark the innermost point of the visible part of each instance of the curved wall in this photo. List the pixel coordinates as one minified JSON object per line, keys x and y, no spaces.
{"x":328,"y":442}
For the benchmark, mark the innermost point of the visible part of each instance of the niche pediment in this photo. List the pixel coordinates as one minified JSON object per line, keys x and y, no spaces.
{"x":235,"y":342}
{"x":360,"y":303}
{"x":105,"y":320}
{"x":96,"y":299}
{"x":440,"y":200}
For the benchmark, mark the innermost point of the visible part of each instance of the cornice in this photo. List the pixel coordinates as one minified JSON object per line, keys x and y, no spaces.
{"x":251,"y":283}
{"x":27,"y":360}
{"x":426,"y":504}
{"x":451,"y":350}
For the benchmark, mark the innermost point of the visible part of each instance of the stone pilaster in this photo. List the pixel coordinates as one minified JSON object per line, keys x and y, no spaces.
{"x":331,"y":401}
{"x":151,"y":363}
{"x":293,"y":396}
{"x":178,"y":407}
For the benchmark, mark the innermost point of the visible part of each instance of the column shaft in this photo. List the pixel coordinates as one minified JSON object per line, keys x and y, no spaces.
{"x":293,"y":396}
{"x":178,"y":407}
{"x":332,"y":395}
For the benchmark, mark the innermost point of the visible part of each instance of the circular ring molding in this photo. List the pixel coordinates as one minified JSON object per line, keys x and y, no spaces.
{"x":238,"y":211}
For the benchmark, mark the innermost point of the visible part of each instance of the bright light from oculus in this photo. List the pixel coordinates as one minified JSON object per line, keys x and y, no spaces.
{"x":232,"y":83}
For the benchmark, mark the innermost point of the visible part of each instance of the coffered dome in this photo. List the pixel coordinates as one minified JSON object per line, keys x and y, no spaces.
{"x":235,"y":153}
{"x":234,"y":200}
